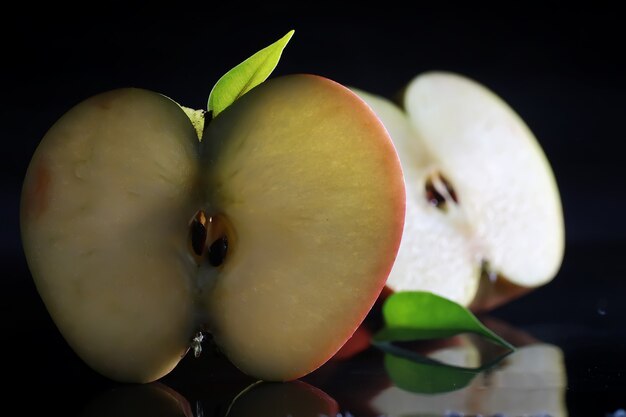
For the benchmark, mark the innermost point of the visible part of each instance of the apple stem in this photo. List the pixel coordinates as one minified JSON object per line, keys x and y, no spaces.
{"x":196,"y":344}
{"x":197,"y":118}
{"x":198,"y":233}
{"x":488,"y":272}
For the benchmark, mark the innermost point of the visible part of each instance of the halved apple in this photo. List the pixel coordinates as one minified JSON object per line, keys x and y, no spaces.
{"x":484,"y":221}
{"x":275,"y":234}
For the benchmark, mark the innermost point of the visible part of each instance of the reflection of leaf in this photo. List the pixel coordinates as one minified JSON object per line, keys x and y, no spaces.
{"x":424,"y":377}
{"x":413,"y":372}
{"x":423,"y":315}
{"x":417,"y":315}
{"x":245,"y":76}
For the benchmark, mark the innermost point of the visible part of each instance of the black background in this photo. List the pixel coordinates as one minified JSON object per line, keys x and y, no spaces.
{"x":562,"y":70}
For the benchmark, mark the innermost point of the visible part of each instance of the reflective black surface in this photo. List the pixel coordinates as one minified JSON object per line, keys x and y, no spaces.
{"x":570,"y":361}
{"x":561,"y":70}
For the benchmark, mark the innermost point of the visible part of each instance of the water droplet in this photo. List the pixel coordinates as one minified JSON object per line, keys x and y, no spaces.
{"x":196,"y":344}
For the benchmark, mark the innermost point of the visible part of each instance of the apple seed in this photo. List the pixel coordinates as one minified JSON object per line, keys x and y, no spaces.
{"x":439,"y":191}
{"x":487,"y":272}
{"x":198,"y":233}
{"x":448,"y":188}
{"x":217,"y":251}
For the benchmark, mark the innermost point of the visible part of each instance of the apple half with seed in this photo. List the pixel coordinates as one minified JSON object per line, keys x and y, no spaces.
{"x":484,"y":221}
{"x":274,"y":233}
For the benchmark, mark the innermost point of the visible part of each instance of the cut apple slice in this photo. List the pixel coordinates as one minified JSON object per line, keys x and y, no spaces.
{"x":482,"y":200}
{"x":275,"y":234}
{"x":105,"y":211}
{"x":504,"y":181}
{"x":299,"y":169}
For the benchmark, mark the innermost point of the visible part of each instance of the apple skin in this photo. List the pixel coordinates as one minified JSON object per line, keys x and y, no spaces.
{"x":358,"y":342}
{"x":299,"y":174}
{"x":492,"y":293}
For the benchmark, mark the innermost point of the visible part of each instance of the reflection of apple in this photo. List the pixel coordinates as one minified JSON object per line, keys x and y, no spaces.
{"x":275,"y":233}
{"x":152,"y":400}
{"x":481,"y":196}
{"x":272,"y":399}
{"x":530,"y":381}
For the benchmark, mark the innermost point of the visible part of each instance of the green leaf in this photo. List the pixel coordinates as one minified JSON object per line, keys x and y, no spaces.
{"x":245,"y":76}
{"x":423,"y":315}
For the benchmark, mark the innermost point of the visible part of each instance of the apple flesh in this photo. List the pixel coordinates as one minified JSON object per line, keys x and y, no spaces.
{"x":275,"y":233}
{"x":484,"y":221}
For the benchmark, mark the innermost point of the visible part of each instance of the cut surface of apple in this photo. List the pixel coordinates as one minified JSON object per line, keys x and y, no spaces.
{"x":484,"y":220}
{"x":275,"y":233}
